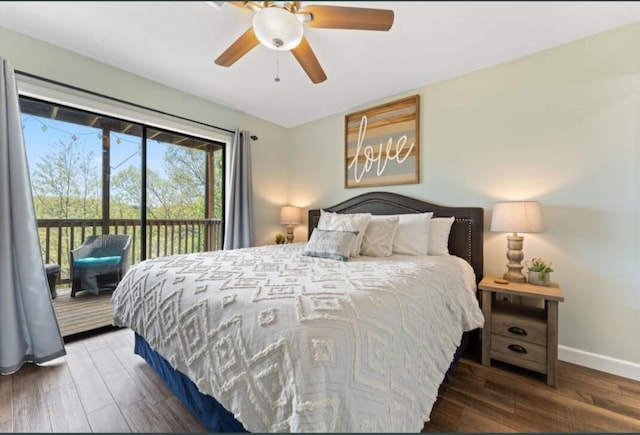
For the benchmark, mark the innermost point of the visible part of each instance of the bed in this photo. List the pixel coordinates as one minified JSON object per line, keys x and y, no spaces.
{"x":266,"y":339}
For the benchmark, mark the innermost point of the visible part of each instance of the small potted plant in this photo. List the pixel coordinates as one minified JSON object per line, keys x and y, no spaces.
{"x":539,"y":272}
{"x":280,"y":239}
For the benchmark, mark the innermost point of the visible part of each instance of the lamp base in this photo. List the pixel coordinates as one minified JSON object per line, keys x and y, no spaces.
{"x":289,"y":234}
{"x":513,"y":276}
{"x":515,"y":256}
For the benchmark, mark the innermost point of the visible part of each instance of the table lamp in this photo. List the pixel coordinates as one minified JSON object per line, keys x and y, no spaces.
{"x":516,"y":217}
{"x":290,"y":216}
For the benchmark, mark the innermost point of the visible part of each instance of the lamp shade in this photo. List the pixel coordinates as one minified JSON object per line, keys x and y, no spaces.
{"x":277,"y":28}
{"x":517,"y":217}
{"x":290,"y":215}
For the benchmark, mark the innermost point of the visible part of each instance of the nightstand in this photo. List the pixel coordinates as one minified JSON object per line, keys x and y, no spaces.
{"x":519,"y":334}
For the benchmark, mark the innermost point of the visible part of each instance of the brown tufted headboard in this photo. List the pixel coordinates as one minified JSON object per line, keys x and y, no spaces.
{"x":465,"y":239}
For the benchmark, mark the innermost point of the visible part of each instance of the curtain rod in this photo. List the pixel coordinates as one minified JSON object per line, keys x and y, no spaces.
{"x":139,"y":106}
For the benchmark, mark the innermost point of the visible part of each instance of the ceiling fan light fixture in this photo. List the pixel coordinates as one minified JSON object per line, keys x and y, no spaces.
{"x":277,"y":28}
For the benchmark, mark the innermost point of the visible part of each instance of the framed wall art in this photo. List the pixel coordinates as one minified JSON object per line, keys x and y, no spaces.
{"x":382,"y":144}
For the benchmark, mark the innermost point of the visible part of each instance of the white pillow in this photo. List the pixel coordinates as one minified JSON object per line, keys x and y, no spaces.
{"x":336,"y":245}
{"x":412,"y":235}
{"x":325,"y":219}
{"x":439,"y":235}
{"x":348,"y":222}
{"x":378,"y":236}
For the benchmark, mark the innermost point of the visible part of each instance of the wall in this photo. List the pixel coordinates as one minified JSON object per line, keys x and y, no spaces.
{"x":562,"y":127}
{"x":269,"y":176}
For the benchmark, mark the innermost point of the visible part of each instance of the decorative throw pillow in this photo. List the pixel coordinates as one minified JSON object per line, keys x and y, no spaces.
{"x":336,"y":245}
{"x":378,"y":236}
{"x":412,"y":235}
{"x":439,"y":235}
{"x":349,"y":222}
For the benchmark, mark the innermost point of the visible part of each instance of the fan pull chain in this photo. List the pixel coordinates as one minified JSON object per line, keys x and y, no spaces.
{"x":277,"y":43}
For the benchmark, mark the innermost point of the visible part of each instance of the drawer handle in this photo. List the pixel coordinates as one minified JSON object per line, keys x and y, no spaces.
{"x":517,"y":331}
{"x":517,"y":348}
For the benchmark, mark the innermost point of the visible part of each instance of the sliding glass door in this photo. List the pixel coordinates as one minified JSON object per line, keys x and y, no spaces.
{"x":93,"y":174}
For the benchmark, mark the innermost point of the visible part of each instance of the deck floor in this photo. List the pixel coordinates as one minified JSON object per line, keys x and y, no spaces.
{"x":83,"y":313}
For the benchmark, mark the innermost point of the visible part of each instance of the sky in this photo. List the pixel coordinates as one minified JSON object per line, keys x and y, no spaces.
{"x":41,"y":133}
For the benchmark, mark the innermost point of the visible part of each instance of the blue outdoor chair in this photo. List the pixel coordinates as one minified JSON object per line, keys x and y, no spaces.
{"x":101,"y":261}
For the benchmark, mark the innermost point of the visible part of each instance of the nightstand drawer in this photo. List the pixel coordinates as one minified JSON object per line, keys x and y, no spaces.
{"x":518,"y":352}
{"x":516,"y":327}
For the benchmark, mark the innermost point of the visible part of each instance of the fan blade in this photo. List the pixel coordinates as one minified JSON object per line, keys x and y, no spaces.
{"x":239,"y":48}
{"x":341,"y":17}
{"x":309,"y":62}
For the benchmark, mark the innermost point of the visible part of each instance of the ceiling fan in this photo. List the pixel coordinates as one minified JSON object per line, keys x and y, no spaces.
{"x":279,"y":25}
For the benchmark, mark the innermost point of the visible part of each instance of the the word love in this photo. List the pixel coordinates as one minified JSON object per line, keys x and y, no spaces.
{"x":377,"y":155}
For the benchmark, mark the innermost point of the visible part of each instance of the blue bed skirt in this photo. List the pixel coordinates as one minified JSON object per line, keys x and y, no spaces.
{"x":207,"y":409}
{"x":204,"y":407}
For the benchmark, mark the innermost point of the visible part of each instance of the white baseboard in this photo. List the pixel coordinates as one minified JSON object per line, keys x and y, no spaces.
{"x":599,"y":362}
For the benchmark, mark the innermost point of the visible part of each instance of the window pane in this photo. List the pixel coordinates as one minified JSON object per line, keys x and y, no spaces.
{"x":64,"y":151}
{"x":125,"y":166}
{"x":177,"y":188}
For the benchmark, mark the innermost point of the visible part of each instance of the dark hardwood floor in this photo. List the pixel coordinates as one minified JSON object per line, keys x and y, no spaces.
{"x":101,"y":386}
{"x":503,"y":398}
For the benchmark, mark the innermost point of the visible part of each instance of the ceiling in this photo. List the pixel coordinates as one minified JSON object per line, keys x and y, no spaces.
{"x":176,"y":43}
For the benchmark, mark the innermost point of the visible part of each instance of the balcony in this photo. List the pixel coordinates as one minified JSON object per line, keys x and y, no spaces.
{"x":164,"y":237}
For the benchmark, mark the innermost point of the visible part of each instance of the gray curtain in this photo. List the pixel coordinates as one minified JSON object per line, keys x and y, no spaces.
{"x":239,"y":212}
{"x":29,"y":330}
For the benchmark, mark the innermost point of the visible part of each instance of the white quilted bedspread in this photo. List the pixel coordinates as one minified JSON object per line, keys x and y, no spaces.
{"x":293,"y":343}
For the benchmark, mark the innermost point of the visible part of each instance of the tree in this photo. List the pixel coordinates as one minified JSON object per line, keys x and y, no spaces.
{"x":217,"y":184}
{"x":186,"y":169}
{"x":179,"y":195}
{"x":66,"y":183}
{"x":125,"y":193}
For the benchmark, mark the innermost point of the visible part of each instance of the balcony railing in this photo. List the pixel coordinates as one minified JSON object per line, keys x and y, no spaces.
{"x":164,"y":237}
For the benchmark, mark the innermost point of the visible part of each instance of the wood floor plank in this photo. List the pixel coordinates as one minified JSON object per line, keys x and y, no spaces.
{"x":175,"y":417}
{"x":630,"y":390}
{"x":30,"y":412}
{"x":141,"y":418}
{"x":467,"y":397}
{"x":472,"y":420}
{"x":500,"y":414}
{"x":122,"y":387}
{"x":618,"y":403}
{"x":541,"y":420}
{"x":605,"y":420}
{"x":444,"y":414}
{"x":65,"y":410}
{"x":549,"y":402}
{"x":478,"y":392}
{"x":92,"y":390}
{"x":6,"y":404}
{"x":108,"y":419}
{"x":94,"y":343}
{"x":74,"y":347}
{"x":120,"y":338}
{"x":149,"y":384}
{"x":53,"y":374}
